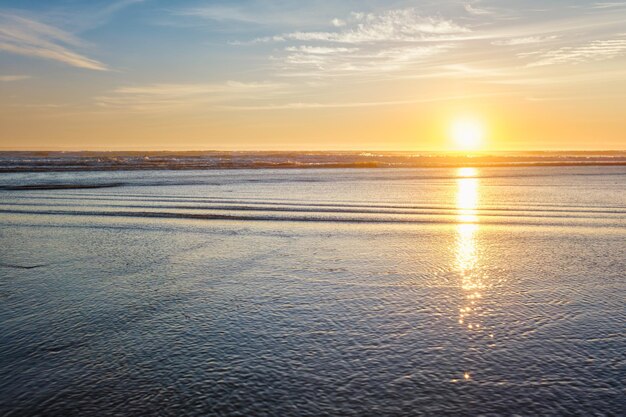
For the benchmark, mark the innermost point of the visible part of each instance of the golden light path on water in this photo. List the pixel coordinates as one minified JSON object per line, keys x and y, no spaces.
{"x":472,"y":281}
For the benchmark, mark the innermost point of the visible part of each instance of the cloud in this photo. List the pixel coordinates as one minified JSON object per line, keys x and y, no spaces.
{"x":93,"y":17}
{"x":467,"y":71}
{"x":332,"y":105}
{"x":404,"y":25}
{"x":608,"y":5}
{"x":193,"y":89}
{"x":476,"y":11}
{"x":161,"y":97}
{"x":319,"y":50}
{"x":28,"y":37}
{"x":117,"y":6}
{"x":251,"y":14}
{"x":350,"y":61}
{"x":365,"y":43}
{"x":598,"y":50}
{"x":528,"y":40}
{"x":10,"y":78}
{"x":219,"y":13}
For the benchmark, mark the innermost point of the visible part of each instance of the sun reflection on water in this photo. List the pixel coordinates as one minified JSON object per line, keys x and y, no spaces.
{"x":472,"y":285}
{"x":466,"y":205}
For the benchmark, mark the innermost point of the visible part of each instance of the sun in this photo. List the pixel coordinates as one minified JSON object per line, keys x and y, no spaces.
{"x":467,"y":133}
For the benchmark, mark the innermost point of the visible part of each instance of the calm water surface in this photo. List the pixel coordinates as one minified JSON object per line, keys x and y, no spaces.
{"x":314,"y":292}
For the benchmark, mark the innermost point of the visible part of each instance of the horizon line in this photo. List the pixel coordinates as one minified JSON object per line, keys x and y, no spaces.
{"x":466,"y":152}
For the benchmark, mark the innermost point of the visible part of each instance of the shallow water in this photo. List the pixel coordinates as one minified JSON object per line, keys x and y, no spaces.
{"x":314,"y":292}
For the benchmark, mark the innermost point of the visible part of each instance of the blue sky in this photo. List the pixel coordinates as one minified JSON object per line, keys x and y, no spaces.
{"x":211,"y":66}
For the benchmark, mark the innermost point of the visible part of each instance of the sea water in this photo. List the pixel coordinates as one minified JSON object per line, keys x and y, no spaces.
{"x":423,"y":291}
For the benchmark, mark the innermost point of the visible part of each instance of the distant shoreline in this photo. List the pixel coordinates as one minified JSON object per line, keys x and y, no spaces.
{"x":42,"y":152}
{"x":311,"y":167}
{"x":16,"y":162}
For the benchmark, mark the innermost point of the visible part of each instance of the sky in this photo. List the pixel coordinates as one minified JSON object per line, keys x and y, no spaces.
{"x":311,"y":75}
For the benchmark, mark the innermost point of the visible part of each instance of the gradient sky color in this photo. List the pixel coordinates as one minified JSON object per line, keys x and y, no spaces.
{"x":285,"y":74}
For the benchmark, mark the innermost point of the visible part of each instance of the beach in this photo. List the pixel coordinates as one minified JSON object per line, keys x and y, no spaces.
{"x":313,"y":292}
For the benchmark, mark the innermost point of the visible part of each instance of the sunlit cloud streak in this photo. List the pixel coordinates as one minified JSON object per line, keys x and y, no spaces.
{"x":396,"y":40}
{"x":350,"y":61}
{"x":24,"y":36}
{"x":365,"y":43}
{"x":598,"y":50}
{"x":609,"y":5}
{"x":403,"y":25}
{"x":355,"y":104}
{"x":162,"y":97}
{"x":527,"y":40}
{"x":10,"y":78}
{"x":219,"y":13}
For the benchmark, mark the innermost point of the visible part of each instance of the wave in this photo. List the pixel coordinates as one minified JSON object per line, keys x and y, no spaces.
{"x":350,"y":209}
{"x":380,"y":218}
{"x":68,"y":186}
{"x":12,"y":162}
{"x":181,"y":200}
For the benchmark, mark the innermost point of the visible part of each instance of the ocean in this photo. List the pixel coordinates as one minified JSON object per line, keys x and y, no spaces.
{"x":453,"y":289}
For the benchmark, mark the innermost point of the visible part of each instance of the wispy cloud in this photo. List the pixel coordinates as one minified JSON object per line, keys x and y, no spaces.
{"x":10,"y":78}
{"x":24,"y":36}
{"x":319,"y":50}
{"x":365,"y":43}
{"x":404,"y":25}
{"x":219,"y":13}
{"x":252,"y":13}
{"x":467,"y":71}
{"x":527,"y":40}
{"x":353,"y":104}
{"x":114,"y":7}
{"x":608,"y":5}
{"x":336,"y":22}
{"x":325,"y":61}
{"x":161,"y":97}
{"x":477,"y":11}
{"x":598,"y":50}
{"x":98,"y":15}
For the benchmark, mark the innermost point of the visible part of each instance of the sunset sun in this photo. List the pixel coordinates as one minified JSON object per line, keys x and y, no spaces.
{"x":467,"y":133}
